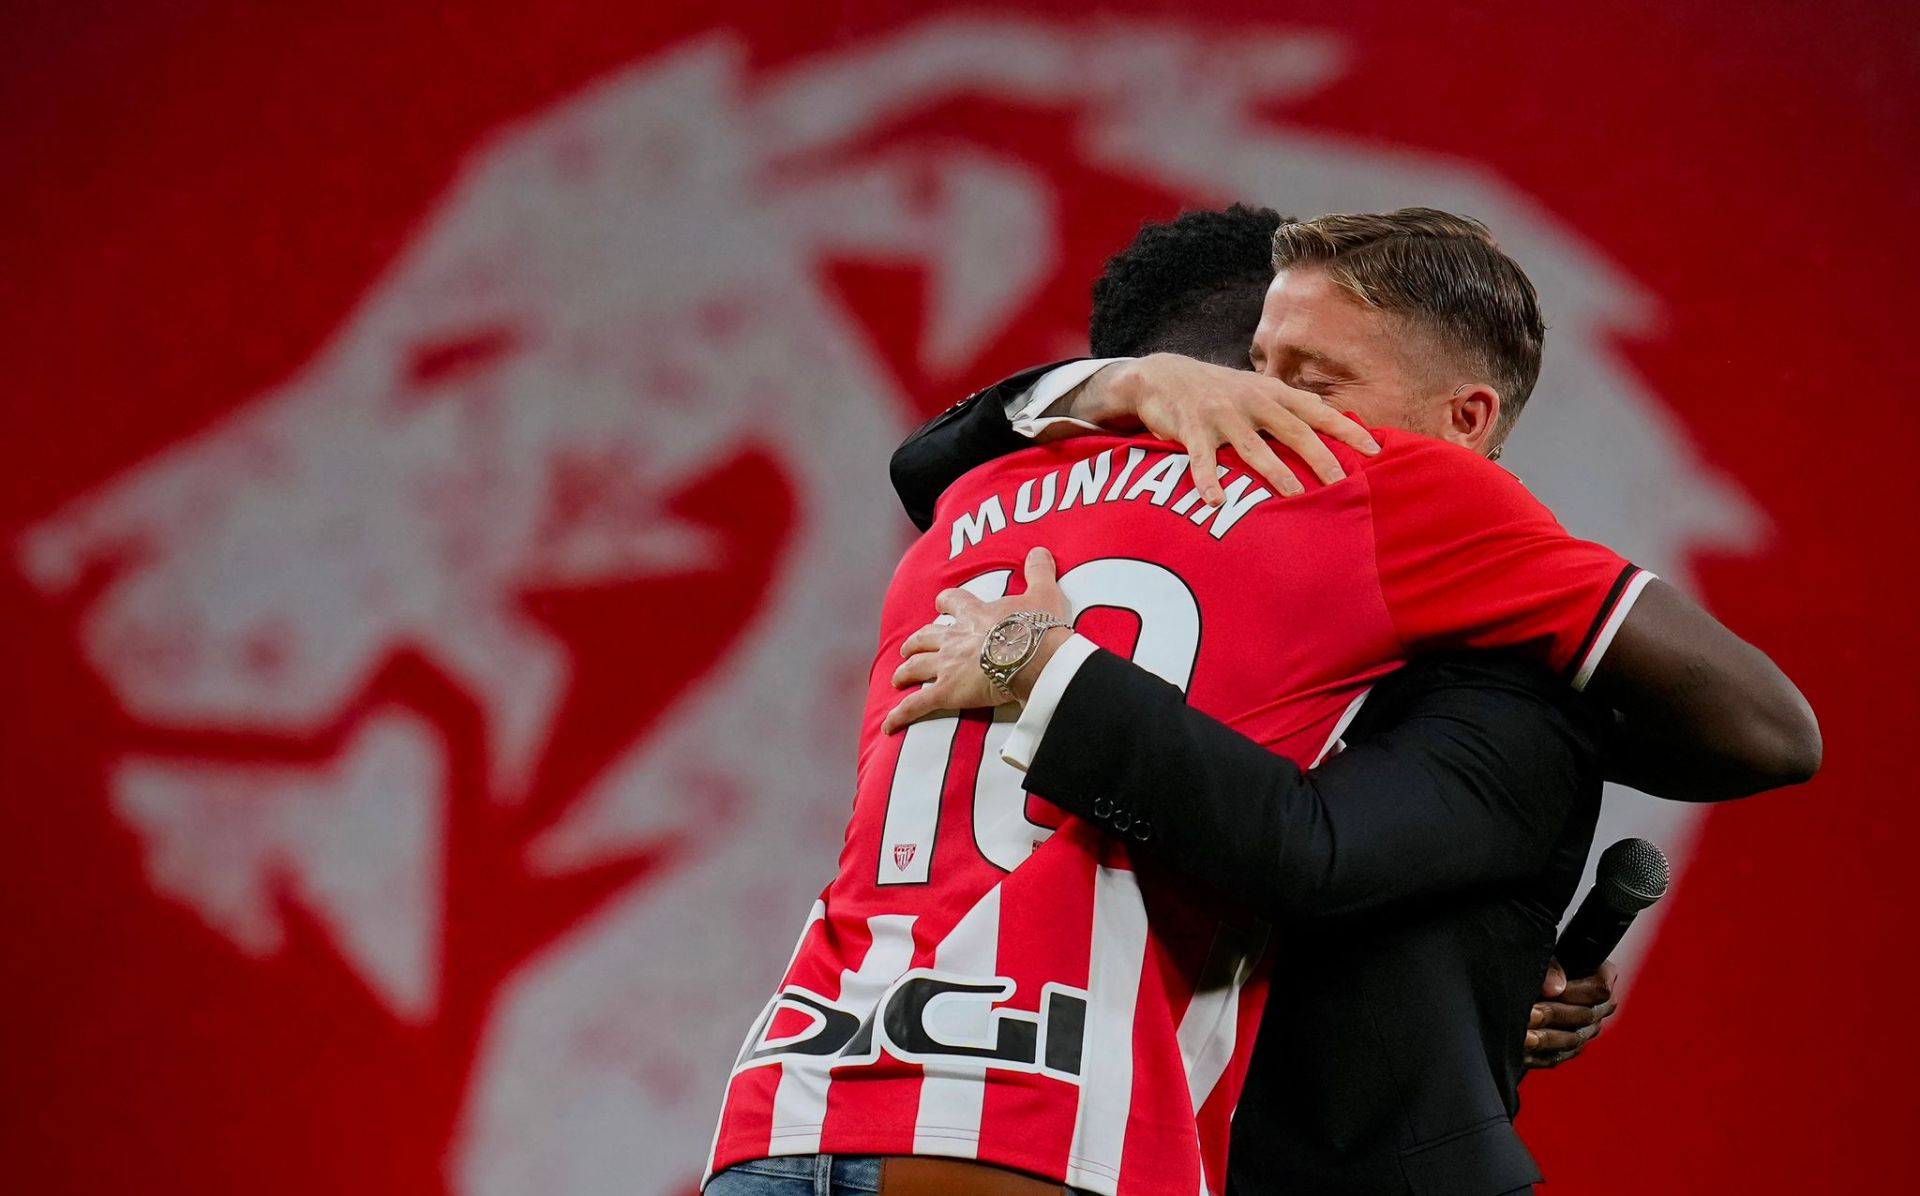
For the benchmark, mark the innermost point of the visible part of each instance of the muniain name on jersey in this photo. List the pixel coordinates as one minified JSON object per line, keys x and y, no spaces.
{"x":1094,"y":480}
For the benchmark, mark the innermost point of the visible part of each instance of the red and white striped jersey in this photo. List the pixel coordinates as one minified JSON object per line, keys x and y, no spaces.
{"x":988,"y":978}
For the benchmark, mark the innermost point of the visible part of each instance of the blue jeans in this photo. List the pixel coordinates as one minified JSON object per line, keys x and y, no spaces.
{"x":800,"y":1175}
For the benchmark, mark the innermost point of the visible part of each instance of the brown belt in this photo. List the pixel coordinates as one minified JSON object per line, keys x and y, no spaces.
{"x":918,"y":1175}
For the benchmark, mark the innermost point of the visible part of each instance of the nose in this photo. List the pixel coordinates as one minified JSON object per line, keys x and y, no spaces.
{"x":1262,"y":357}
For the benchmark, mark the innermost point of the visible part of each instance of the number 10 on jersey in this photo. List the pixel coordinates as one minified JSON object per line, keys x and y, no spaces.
{"x":1168,"y":645}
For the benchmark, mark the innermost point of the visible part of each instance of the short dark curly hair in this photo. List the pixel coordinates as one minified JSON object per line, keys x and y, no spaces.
{"x":1190,"y":285}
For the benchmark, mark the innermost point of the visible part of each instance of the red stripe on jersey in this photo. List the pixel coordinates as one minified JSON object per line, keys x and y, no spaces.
{"x":875,"y":1111}
{"x":872,"y":1117}
{"x":1160,"y":1148}
{"x":746,"y":1120}
{"x":1188,"y":988}
{"x":1119,"y":1000}
{"x":952,"y":933}
{"x":1037,"y":1115}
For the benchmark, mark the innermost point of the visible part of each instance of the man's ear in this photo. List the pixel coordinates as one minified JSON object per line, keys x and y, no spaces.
{"x":1473,"y":412}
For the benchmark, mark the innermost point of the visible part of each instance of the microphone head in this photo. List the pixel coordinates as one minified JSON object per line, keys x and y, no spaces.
{"x":1631,"y":875}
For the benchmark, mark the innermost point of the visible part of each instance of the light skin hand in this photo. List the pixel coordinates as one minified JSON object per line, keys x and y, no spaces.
{"x":1202,"y":407}
{"x":943,"y":658}
{"x":1573,"y":1014}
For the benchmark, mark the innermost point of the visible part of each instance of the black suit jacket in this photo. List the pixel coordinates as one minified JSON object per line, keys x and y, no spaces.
{"x":967,"y":434}
{"x":1416,"y":880}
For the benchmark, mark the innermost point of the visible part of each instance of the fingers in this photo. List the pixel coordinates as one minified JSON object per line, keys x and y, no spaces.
{"x":1607,"y":976}
{"x":1556,"y":1015}
{"x":1041,"y":570}
{"x":1591,"y":990}
{"x":1329,"y":421}
{"x":1561,"y":1042}
{"x":1262,"y":460}
{"x":1555,"y":1042}
{"x":918,"y":670}
{"x":1205,"y":468}
{"x":1300,"y":438}
{"x":1560,"y":1031}
{"x":912,"y":708}
{"x":1556,"y":981}
{"x":955,"y":602}
{"x":928,"y":640}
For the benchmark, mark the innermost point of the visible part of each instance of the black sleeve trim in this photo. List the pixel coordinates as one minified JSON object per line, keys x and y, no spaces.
{"x":1614,"y":595}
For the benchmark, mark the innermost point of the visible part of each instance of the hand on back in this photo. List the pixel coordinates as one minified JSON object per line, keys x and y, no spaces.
{"x":1203,"y":407}
{"x":943,"y":658}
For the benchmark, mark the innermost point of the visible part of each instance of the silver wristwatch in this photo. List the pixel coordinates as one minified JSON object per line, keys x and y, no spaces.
{"x":1012,"y":643}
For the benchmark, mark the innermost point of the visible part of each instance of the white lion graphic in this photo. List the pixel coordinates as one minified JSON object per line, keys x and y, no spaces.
{"x":630,"y":283}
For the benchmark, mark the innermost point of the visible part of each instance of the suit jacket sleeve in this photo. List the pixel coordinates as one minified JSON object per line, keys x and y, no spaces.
{"x":1476,"y":762}
{"x":969,"y":433}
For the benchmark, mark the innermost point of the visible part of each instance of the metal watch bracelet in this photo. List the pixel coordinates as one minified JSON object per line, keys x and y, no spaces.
{"x":1035,"y":624}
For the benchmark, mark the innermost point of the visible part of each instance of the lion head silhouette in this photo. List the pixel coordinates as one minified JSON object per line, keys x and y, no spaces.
{"x":613,"y":299}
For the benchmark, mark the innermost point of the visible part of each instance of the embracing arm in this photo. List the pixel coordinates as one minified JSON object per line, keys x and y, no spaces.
{"x":968,"y":434}
{"x":1468,"y":784}
{"x":1703,"y":715}
{"x":1468,"y":558}
{"x":1190,"y":403}
{"x":1481,"y":758}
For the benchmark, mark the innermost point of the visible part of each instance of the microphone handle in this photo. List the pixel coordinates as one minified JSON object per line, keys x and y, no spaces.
{"x":1596,"y":929}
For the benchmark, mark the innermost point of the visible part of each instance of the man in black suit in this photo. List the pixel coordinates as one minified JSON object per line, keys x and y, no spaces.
{"x":1431,"y":859}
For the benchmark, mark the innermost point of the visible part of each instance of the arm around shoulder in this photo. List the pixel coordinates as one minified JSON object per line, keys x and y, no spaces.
{"x":969,"y":433}
{"x":1468,"y":782}
{"x":1704,"y":715}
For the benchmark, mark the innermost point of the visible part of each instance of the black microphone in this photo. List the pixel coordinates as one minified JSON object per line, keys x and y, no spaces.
{"x":1631,"y":875}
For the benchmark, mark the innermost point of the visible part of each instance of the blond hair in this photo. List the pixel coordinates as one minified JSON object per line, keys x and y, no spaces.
{"x":1440,"y":272}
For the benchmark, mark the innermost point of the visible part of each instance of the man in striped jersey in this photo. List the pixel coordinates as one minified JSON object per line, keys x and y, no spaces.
{"x":989,"y":980}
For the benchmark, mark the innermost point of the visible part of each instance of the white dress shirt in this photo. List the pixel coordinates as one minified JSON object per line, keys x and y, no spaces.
{"x":1027,"y":411}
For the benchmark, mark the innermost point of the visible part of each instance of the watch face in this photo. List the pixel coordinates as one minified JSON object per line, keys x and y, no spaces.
{"x":1008,"y":642}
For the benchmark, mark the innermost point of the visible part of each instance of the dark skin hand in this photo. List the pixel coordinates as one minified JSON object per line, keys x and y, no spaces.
{"x":1572,"y":1015}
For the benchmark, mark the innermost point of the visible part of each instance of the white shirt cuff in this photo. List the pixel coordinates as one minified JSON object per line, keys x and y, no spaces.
{"x":1048,"y":688}
{"x":1028,"y":410}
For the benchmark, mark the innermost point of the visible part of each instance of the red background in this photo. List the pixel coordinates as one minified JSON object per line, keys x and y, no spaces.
{"x":198,"y":192}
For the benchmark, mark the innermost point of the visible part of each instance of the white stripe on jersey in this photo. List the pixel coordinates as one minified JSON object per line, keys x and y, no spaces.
{"x":1113,"y":988}
{"x":1611,"y":628}
{"x":800,"y":1099}
{"x":954,"y":1091}
{"x":913,"y":804}
{"x":1212,"y":1020}
{"x":1001,"y":829}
